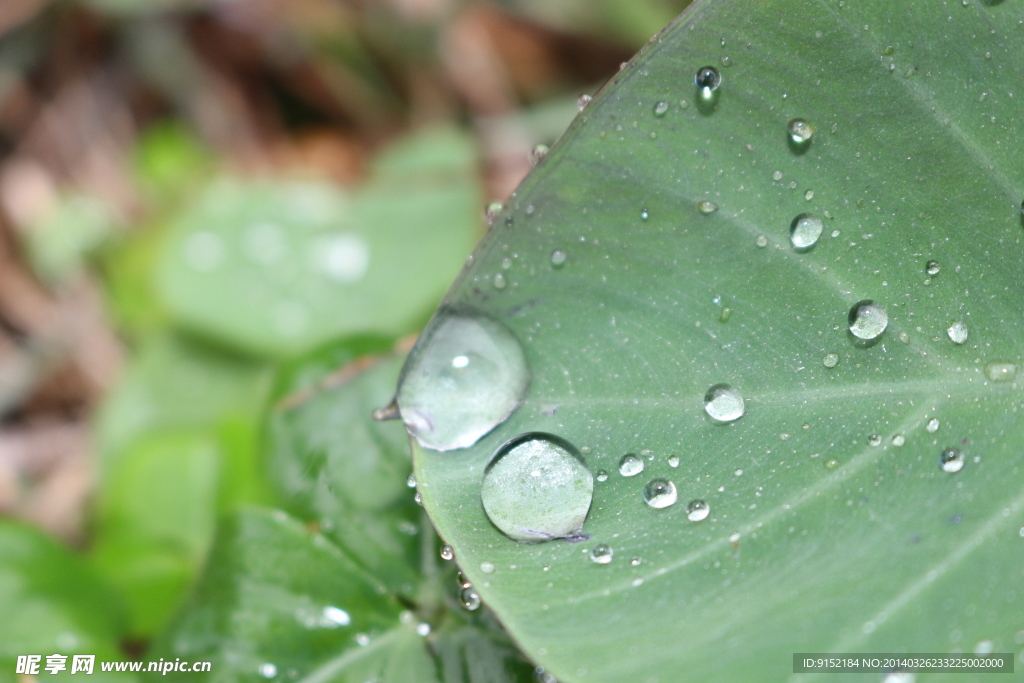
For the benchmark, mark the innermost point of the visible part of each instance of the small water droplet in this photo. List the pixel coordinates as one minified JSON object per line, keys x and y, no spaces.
{"x":707,"y":208}
{"x":1001,"y":372}
{"x":951,"y":460}
{"x":830,"y":360}
{"x":933,"y":425}
{"x":800,"y":131}
{"x":487,"y":567}
{"x":738,"y":472}
{"x":957,"y":332}
{"x":875,"y":440}
{"x":469,"y":598}
{"x":707,"y":80}
{"x":602,"y":476}
{"x":537,"y":153}
{"x":582,"y":101}
{"x":636,"y":561}
{"x":804,"y":231}
{"x":410,"y":481}
{"x":644,"y":215}
{"x":868,"y":320}
{"x":630,"y":465}
{"x":418,"y":498}
{"x":777,"y":175}
{"x":831,"y":464}
{"x":660,"y":108}
{"x":491,"y":212}
{"x":723,"y":403}
{"x":660,"y":493}
{"x":697,"y":510}
{"x":423,"y":629}
{"x":904,"y":337}
{"x":499,"y":281}
{"x":601,"y":554}
{"x":673,"y":461}
{"x":762,"y":241}
{"x":809,"y":195}
{"x":447,"y":552}
{"x":558,"y":258}
{"x":268,"y":670}
{"x":984,"y":647}
{"x":362,"y":640}
{"x":465,"y":376}
{"x":898,"y":440}
{"x":537,"y":488}
{"x":932,"y":268}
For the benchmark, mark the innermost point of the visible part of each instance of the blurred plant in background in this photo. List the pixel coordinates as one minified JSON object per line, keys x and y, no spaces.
{"x":196,"y":194}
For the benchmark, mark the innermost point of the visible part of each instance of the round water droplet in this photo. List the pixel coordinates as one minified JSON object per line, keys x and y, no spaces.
{"x":707,"y":208}
{"x":660,"y":108}
{"x":537,"y":153}
{"x":487,"y":567}
{"x":1001,"y":372}
{"x":469,"y":598}
{"x":932,"y":268}
{"x":809,"y":195}
{"x":558,"y":258}
{"x":465,"y":376}
{"x":491,"y":212}
{"x":411,"y":481}
{"x":708,"y":79}
{"x":268,"y":670}
{"x":630,"y":465}
{"x":804,"y":231}
{"x":660,"y":493}
{"x":602,"y":476}
{"x":362,"y":640}
{"x":875,"y":440}
{"x":537,"y":488}
{"x":697,"y":511}
{"x":762,"y":241}
{"x":933,"y":425}
{"x":447,"y":552}
{"x":830,"y":360}
{"x":601,"y":554}
{"x":800,"y":131}
{"x":644,"y":215}
{"x":723,"y":403}
{"x":951,"y":460}
{"x":898,"y":440}
{"x":673,"y":461}
{"x":957,"y":332}
{"x":831,"y":464}
{"x":499,"y":281}
{"x":582,"y":101}
{"x":868,"y":320}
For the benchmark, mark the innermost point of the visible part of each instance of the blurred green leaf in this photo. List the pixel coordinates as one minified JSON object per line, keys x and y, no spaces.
{"x":70,"y":232}
{"x":335,"y":466}
{"x":52,"y":603}
{"x":155,"y":520}
{"x":170,"y":161}
{"x":281,"y":267}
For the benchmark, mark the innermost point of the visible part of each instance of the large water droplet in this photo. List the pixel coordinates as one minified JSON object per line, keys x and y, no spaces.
{"x":1001,"y":372}
{"x":697,"y":510}
{"x":723,"y":403}
{"x":800,"y":131}
{"x":804,"y":231}
{"x":708,"y":79}
{"x":951,"y":460}
{"x":465,"y":376}
{"x":469,"y":598}
{"x":537,"y":488}
{"x":601,"y":554}
{"x":868,"y":320}
{"x":957,"y":332}
{"x":660,"y":493}
{"x":630,"y":465}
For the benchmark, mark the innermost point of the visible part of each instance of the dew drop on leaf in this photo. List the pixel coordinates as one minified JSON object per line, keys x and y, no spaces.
{"x":447,"y":553}
{"x":660,"y":493}
{"x":804,"y":231}
{"x":957,"y":332}
{"x":268,"y":670}
{"x":933,"y":425}
{"x":951,"y":460}
{"x":707,"y":80}
{"x":800,"y":131}
{"x":601,"y":554}
{"x":630,"y":465}
{"x":660,"y":108}
{"x":582,"y":101}
{"x":537,"y":153}
{"x":469,"y":598}
{"x":558,"y":258}
{"x":537,"y":488}
{"x":707,"y":208}
{"x":1001,"y":372}
{"x":491,"y":212}
{"x":697,"y":510}
{"x":465,"y":376}
{"x":602,"y":476}
{"x":868,"y":320}
{"x":723,"y":403}
{"x":932,"y":268}
{"x":830,"y":360}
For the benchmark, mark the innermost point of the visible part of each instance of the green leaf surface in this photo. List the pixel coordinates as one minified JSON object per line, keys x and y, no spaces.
{"x":52,"y":603}
{"x":281,"y":267}
{"x":822,"y":536}
{"x":155,"y":521}
{"x":339,"y":469}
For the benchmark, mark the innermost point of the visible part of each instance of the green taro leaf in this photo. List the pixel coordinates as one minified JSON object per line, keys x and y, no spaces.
{"x":281,"y":267}
{"x":52,"y":603}
{"x":336,"y":467}
{"x":830,"y":525}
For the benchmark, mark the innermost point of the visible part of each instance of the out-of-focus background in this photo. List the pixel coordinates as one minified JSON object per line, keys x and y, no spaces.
{"x":193,"y":192}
